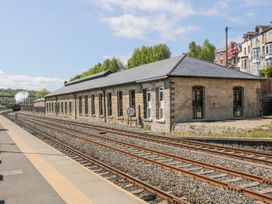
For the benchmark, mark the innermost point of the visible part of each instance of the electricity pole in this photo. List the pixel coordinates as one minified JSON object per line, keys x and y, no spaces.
{"x":227,"y":30}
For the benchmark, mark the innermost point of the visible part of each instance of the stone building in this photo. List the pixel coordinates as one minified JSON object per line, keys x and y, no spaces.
{"x":256,"y":50}
{"x":39,"y":105}
{"x":163,"y":93}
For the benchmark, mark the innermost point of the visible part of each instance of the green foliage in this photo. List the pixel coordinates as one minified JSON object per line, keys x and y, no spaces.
{"x":41,"y":93}
{"x":145,"y":55}
{"x":140,"y":56}
{"x":205,"y":52}
{"x":13,"y":92}
{"x":268,"y":72}
{"x":147,"y":127}
{"x":261,"y":72}
{"x":113,"y":64}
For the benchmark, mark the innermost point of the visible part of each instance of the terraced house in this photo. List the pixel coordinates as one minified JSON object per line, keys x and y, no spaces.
{"x":163,"y":93}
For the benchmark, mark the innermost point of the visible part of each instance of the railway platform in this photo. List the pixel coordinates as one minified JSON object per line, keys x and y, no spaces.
{"x":34,"y":172}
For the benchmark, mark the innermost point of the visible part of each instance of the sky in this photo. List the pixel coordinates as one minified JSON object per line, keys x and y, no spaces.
{"x":45,"y":42}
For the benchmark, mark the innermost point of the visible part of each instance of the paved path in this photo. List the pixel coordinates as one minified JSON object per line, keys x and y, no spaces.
{"x":55,"y":178}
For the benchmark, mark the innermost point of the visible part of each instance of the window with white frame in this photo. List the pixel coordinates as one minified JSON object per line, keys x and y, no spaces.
{"x":268,"y":49}
{"x":160,"y":103}
{"x":148,"y":103}
{"x":256,"y":53}
{"x":268,"y":63}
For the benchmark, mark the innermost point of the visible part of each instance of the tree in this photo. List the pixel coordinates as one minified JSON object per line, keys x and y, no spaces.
{"x":205,"y":52}
{"x":41,"y":93}
{"x":145,"y":55}
{"x":261,"y":72}
{"x":113,"y":65}
{"x":268,"y":72}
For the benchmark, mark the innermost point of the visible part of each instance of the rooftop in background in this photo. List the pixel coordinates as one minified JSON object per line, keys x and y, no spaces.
{"x":181,"y":66}
{"x":221,"y":49}
{"x":93,"y":76}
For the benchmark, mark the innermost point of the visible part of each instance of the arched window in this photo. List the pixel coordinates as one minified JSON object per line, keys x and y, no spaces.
{"x":120,"y":103}
{"x":80,"y":104}
{"x":93,"y":104}
{"x":198,"y":102}
{"x":100,"y":100}
{"x":132,"y":100}
{"x":109,"y":104}
{"x":62,"y":107}
{"x":65,"y":107}
{"x":147,"y":103}
{"x":237,"y":101}
{"x":70,"y":107}
{"x":86,"y":104}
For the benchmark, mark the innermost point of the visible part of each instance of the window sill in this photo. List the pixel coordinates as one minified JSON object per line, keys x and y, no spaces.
{"x":147,"y":120}
{"x":109,"y":117}
{"x":93,"y":115}
{"x":162,"y":121}
{"x":101,"y":116}
{"x":120,"y":118}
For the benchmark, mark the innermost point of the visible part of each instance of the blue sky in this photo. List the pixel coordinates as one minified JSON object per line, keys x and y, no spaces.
{"x":44,"y":42}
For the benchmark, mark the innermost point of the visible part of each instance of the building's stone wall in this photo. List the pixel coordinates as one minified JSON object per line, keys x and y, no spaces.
{"x":218,"y":98}
{"x":177,"y":102}
{"x":138,"y":120}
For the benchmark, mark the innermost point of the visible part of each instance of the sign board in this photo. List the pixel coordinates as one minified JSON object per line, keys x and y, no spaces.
{"x":131,"y":111}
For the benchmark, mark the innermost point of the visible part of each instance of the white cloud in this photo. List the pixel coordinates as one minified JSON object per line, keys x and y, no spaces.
{"x":164,"y":20}
{"x":152,"y":20}
{"x":128,"y":25}
{"x":251,"y":14}
{"x":29,"y":82}
{"x":176,"y":7}
{"x":131,"y":26}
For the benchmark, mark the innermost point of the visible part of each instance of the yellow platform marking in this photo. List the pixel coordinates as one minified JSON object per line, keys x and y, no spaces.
{"x":66,"y":190}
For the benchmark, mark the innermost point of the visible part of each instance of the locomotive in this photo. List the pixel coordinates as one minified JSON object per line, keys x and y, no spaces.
{"x":16,"y":107}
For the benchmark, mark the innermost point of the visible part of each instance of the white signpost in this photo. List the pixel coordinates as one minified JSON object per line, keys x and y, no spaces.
{"x":131,"y":112}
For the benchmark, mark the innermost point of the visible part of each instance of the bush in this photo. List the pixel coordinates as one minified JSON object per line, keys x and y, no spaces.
{"x":268,"y":72}
{"x":262,"y":72}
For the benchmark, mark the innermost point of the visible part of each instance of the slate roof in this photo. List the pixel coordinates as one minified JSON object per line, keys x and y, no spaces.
{"x":181,"y":66}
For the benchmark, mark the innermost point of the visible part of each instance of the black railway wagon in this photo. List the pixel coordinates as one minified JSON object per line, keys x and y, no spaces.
{"x":16,"y":107}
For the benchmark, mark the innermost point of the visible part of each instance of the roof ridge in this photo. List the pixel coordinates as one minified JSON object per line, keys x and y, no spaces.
{"x":176,"y":65}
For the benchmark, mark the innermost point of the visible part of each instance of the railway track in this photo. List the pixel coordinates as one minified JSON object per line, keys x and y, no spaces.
{"x":128,"y":182}
{"x":211,"y":174}
{"x":233,"y":152}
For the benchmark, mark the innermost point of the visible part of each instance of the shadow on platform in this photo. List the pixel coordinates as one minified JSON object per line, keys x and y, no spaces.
{"x":3,"y":129}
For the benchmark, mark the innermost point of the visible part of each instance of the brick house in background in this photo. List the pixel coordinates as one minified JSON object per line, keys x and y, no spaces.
{"x":220,"y":55}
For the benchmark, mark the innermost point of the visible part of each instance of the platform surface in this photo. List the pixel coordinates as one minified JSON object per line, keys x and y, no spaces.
{"x":34,"y":172}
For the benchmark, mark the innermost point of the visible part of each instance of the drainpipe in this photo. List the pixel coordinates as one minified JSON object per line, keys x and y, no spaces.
{"x":104,"y":99}
{"x":75,"y":106}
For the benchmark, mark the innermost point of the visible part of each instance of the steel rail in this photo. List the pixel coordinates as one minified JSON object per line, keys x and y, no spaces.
{"x":245,"y":191}
{"x":169,"y":141}
{"x":113,"y":170}
{"x":179,"y":158}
